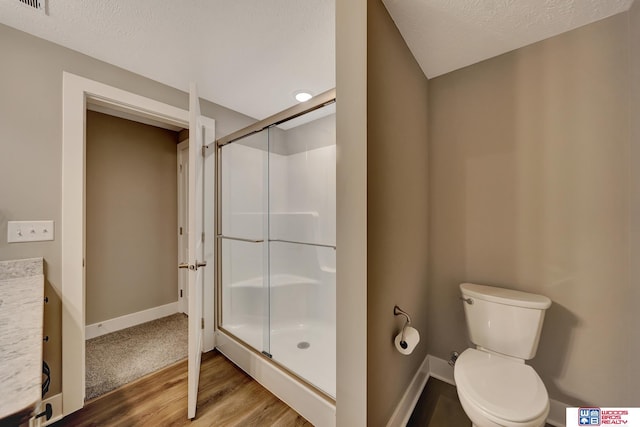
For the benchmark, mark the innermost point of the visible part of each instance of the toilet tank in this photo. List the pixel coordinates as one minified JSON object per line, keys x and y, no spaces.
{"x":503,"y":320}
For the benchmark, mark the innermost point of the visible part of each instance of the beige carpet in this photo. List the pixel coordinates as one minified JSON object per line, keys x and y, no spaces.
{"x":118,"y":358}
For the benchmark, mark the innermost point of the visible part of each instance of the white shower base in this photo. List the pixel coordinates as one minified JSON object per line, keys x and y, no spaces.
{"x":316,"y":364}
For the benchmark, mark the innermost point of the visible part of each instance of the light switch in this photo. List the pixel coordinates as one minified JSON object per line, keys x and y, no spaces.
{"x":29,"y":231}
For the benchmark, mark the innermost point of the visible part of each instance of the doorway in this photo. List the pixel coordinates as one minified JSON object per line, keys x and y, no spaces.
{"x":133,"y":327}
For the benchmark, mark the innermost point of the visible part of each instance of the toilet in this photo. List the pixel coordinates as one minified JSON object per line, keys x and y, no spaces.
{"x":495,"y":387}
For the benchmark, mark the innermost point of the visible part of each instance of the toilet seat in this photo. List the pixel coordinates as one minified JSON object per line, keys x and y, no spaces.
{"x":505,"y":390}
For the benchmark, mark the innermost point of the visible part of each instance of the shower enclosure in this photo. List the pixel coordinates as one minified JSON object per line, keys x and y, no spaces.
{"x":276,"y":237}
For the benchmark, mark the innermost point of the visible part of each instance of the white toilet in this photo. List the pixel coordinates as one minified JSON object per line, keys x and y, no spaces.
{"x":495,"y":387}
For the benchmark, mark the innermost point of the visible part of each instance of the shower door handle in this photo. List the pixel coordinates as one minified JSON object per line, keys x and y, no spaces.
{"x":192,"y":267}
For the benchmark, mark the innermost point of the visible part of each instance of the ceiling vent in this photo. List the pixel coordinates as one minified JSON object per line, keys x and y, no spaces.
{"x":38,"y":5}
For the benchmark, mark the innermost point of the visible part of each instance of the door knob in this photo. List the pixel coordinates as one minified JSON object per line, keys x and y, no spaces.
{"x":183,"y":265}
{"x":200,"y":264}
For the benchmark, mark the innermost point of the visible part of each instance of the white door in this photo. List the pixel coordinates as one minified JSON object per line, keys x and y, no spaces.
{"x":201,"y":134}
{"x":183,"y":226}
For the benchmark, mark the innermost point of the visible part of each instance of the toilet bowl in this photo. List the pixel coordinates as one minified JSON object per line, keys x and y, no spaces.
{"x":496,"y":388}
{"x":499,"y":392}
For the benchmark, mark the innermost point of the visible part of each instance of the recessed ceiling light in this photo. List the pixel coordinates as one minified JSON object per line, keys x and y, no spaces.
{"x":303,"y":96}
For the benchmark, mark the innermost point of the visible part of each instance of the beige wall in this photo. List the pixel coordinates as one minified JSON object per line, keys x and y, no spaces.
{"x":397,"y":211}
{"x":529,"y":183}
{"x":31,"y":148}
{"x":131,"y":217}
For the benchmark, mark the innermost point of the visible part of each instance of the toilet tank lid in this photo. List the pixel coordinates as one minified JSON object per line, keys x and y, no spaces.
{"x":505,"y":296}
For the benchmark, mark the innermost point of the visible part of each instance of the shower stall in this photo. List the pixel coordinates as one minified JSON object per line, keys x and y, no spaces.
{"x":276,"y":241}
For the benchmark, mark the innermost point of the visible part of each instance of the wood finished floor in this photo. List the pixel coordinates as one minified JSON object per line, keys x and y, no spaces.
{"x":439,"y":406}
{"x":227,"y":397}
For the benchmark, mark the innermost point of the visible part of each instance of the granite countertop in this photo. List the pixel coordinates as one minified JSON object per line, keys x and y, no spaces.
{"x":21,"y":323}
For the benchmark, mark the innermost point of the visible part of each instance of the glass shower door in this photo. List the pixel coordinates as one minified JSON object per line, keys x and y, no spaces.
{"x":302,"y":253}
{"x":244,"y":249}
{"x":277,"y":244}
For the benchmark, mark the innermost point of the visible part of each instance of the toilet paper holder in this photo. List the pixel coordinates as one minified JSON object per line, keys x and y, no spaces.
{"x":397,"y":311}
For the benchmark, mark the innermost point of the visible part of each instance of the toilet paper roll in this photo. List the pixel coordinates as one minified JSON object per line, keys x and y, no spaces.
{"x":411,"y":337}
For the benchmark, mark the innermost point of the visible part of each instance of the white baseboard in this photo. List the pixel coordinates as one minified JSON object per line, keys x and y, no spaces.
{"x":403,"y":411}
{"x":316,"y":409}
{"x":128,"y":320}
{"x":434,"y":367}
{"x":441,"y":370}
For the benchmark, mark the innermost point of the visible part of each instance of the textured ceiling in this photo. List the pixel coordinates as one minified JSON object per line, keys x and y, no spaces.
{"x":248,"y":55}
{"x":252,"y":55}
{"x":445,"y":35}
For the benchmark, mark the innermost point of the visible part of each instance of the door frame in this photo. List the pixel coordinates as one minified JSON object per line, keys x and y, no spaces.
{"x":183,"y":250}
{"x":76,"y":91}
